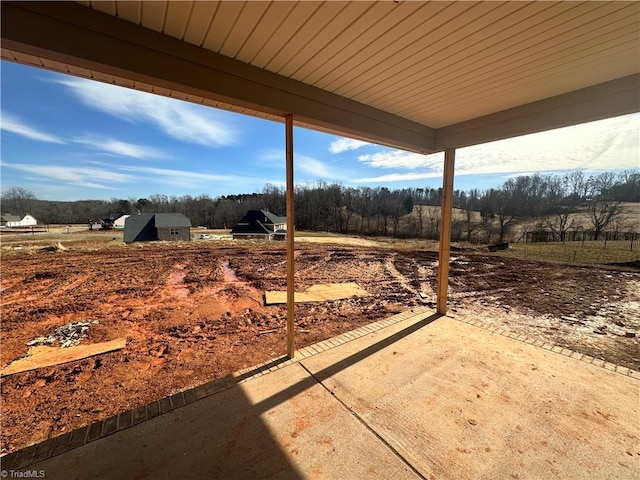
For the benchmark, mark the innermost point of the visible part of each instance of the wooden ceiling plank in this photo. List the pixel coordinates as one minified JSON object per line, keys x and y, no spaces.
{"x":535,"y":62}
{"x":340,"y":31}
{"x":311,"y":27}
{"x":444,"y":65}
{"x":275,"y":15}
{"x":246,"y":24}
{"x":199,"y":22}
{"x":106,"y":6}
{"x":178,"y":14}
{"x":418,"y":50}
{"x":513,"y":54}
{"x":221,"y":24}
{"x":503,"y":97}
{"x":153,"y":14}
{"x":129,"y":10}
{"x":461,"y":42}
{"x":359,"y":48}
{"x":297,"y":16}
{"x":386,"y":50}
{"x":395,"y":79}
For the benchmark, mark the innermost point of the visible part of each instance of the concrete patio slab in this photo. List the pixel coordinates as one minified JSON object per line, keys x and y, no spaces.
{"x":459,"y":402}
{"x":257,"y":429}
{"x":417,"y":396}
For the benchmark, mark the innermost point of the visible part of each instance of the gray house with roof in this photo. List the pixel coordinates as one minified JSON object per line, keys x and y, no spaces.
{"x":148,"y":227}
{"x":260,"y":224}
{"x":6,"y":218}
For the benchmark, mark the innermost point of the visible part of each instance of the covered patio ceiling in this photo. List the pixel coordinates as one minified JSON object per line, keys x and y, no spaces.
{"x":420,"y":76}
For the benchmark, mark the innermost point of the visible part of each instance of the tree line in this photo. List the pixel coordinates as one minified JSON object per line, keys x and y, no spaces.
{"x":409,"y":212}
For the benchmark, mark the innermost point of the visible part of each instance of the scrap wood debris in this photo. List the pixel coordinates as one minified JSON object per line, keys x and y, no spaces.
{"x":318,"y":293}
{"x":55,"y":248}
{"x":68,"y":335}
{"x":40,"y":356}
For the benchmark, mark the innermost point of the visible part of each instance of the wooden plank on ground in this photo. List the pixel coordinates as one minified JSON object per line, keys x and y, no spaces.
{"x":318,"y":293}
{"x":47,"y":356}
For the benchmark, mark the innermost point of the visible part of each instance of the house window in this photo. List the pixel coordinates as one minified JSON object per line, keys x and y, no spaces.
{"x":174,"y":231}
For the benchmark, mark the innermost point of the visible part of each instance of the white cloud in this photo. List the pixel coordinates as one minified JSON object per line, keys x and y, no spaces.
{"x":221,"y":184}
{"x":117,"y":147}
{"x":303,"y":165}
{"x":314,"y":167}
{"x":181,"y":120}
{"x":272,"y":158}
{"x":398,"y":177}
{"x":345,"y":144}
{"x":178,"y":175}
{"x":80,"y":176}
{"x":12,"y":124}
{"x":398,"y":159}
{"x":603,"y":145}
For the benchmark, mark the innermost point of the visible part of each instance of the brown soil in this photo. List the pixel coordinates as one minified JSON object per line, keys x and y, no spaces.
{"x":194,"y":312}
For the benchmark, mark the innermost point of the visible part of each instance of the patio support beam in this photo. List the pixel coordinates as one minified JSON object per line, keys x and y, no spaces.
{"x":445,"y":229}
{"x":291,"y":347}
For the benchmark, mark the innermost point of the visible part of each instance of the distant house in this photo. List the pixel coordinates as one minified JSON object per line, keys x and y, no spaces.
{"x":260,"y":224}
{"x":8,"y":218}
{"x":15,"y":221}
{"x":148,"y":227}
{"x":119,"y":222}
{"x":111,"y":219}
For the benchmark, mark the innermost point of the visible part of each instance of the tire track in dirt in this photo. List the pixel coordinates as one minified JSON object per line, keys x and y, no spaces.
{"x":393,"y":271}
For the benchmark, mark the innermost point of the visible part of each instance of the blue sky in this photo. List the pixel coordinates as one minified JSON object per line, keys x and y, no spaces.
{"x":66,"y":138}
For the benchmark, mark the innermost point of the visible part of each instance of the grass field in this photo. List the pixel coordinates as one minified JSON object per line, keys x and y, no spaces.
{"x":589,"y":253}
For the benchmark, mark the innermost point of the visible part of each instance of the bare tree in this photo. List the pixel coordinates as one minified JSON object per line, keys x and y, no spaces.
{"x":561,"y":222}
{"x":603,"y":209}
{"x":18,"y":200}
{"x":578,"y":184}
{"x":433,"y":214}
{"x":602,"y":212}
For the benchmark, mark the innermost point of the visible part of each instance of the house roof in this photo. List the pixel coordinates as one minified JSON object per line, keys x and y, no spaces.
{"x":165,"y":220}
{"x":254,"y":228}
{"x":136,"y":225}
{"x":273,"y":219}
{"x":10,"y":218}
{"x":422,"y":76}
{"x":254,"y":221}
